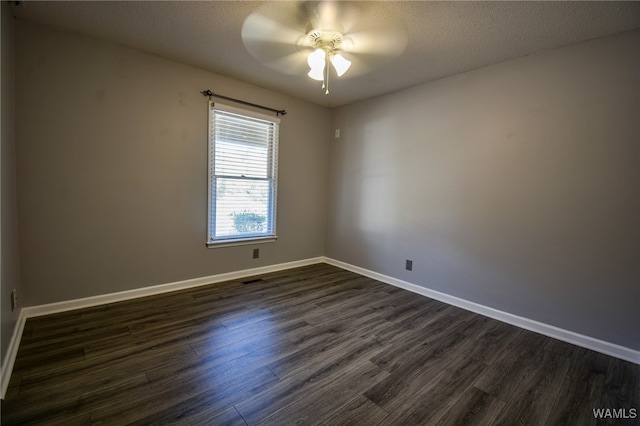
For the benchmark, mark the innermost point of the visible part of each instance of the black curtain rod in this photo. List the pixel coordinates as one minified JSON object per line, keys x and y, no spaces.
{"x":210,"y":94}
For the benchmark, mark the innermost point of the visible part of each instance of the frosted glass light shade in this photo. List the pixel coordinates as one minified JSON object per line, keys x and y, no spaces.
{"x":316,"y":59}
{"x":317,"y":73}
{"x":340,"y":64}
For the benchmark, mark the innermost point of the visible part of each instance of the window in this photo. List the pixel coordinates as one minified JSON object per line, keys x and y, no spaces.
{"x":243,"y":156}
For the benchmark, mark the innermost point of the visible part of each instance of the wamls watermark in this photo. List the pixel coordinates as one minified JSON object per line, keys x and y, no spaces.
{"x":615,"y":413}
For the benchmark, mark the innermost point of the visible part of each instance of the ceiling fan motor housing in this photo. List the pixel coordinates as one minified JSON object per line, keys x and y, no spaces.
{"x":327,"y":40}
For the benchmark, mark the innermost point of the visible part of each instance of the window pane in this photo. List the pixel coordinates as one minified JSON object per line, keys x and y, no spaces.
{"x":242,"y":130}
{"x":242,"y":207}
{"x":242,"y":160}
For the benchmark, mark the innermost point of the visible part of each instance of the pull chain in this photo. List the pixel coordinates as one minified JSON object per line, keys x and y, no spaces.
{"x":327,"y":76}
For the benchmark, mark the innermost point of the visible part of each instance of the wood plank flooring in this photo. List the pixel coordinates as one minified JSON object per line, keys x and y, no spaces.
{"x":312,"y":345}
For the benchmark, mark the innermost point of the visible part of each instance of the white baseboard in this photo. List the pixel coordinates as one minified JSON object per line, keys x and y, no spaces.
{"x":68,"y":305}
{"x":12,"y":352}
{"x":606,"y":348}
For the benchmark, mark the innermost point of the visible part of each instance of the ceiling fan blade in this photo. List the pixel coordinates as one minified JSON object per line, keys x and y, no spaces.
{"x":331,"y":15}
{"x":276,"y":42}
{"x":260,"y":27}
{"x":369,"y":50}
{"x":374,"y":42}
{"x":372,"y":35}
{"x":376,"y":34}
{"x":362,"y":64}
{"x":293,"y":63}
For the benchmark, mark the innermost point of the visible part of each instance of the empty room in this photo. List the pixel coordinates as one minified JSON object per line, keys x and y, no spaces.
{"x":336,"y":213}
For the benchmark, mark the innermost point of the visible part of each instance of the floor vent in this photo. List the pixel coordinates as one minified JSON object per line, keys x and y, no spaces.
{"x":253,"y":281}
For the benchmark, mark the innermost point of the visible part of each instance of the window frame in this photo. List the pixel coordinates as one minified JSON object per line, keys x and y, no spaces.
{"x":272,"y":178}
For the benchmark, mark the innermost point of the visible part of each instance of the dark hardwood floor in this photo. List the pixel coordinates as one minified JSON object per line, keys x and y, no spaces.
{"x":313,"y":345}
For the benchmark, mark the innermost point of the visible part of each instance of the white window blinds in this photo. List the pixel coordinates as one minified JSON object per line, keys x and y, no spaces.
{"x":243,"y":153}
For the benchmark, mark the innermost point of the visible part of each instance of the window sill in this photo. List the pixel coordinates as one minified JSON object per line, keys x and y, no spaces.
{"x":242,"y":241}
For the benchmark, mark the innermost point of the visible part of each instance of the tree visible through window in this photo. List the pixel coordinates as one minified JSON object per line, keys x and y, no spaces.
{"x":243,"y":150}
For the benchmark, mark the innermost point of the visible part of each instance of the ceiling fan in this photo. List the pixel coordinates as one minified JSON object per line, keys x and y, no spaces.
{"x":296,"y":37}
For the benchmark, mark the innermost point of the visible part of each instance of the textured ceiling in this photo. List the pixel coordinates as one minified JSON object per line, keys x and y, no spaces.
{"x":444,"y":38}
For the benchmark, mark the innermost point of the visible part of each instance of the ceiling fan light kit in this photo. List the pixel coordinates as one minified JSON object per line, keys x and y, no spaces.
{"x":326,"y":45}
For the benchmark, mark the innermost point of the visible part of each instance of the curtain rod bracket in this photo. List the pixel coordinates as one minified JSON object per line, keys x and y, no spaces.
{"x":210,"y":94}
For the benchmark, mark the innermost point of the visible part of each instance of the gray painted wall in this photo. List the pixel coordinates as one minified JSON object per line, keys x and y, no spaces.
{"x":112,"y":169}
{"x":514,"y":186}
{"x":8,"y":216}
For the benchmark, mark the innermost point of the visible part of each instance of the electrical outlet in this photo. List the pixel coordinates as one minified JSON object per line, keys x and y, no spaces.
{"x":14,"y":300}
{"x":256,"y":253}
{"x":409,"y":265}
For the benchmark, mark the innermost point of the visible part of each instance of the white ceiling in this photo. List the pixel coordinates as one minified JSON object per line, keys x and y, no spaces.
{"x":445,"y":38}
